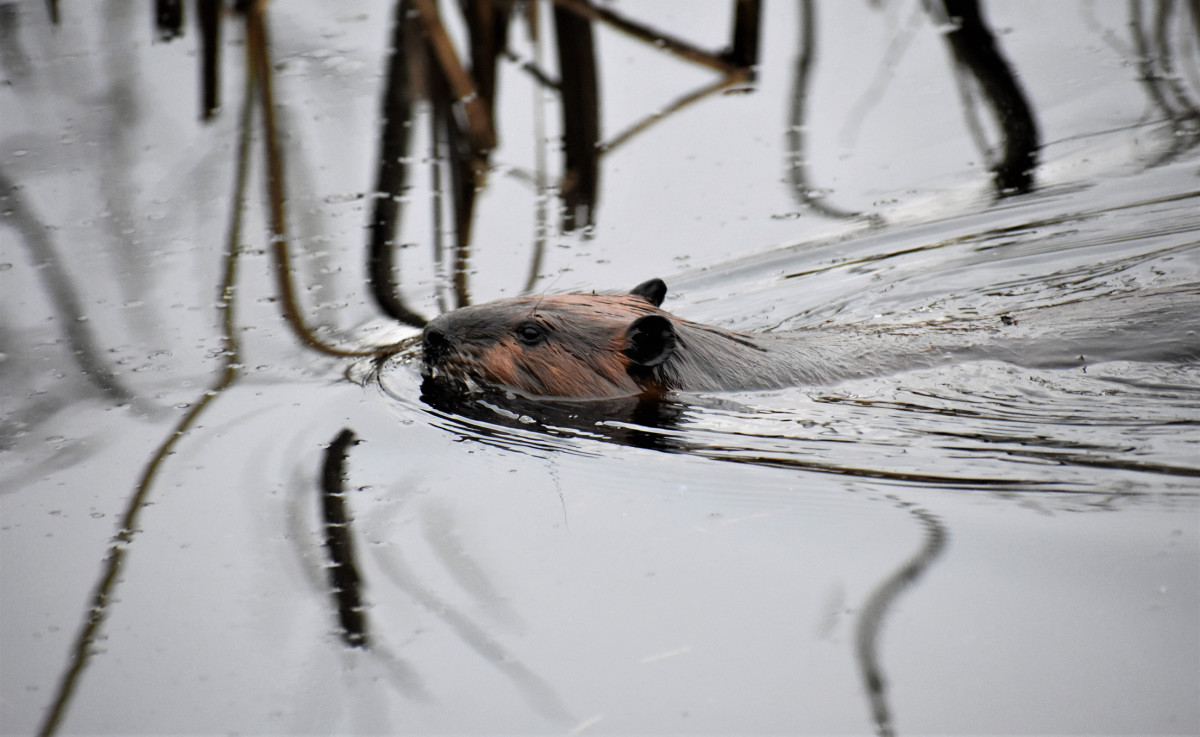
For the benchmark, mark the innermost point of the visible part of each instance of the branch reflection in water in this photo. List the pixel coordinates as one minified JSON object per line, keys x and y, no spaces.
{"x":876,"y":610}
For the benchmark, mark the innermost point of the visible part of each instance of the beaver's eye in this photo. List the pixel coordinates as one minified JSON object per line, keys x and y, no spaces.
{"x":531,"y":333}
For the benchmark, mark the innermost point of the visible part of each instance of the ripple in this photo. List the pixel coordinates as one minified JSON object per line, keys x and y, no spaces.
{"x":1113,"y":280}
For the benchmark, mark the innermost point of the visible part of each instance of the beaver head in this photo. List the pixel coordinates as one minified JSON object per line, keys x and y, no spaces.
{"x":566,"y":345}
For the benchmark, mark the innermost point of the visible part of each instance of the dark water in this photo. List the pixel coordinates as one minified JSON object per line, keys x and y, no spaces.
{"x":1008,"y":545}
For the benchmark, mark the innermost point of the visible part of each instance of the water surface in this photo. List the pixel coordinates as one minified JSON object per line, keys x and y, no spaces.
{"x":1000,"y":546}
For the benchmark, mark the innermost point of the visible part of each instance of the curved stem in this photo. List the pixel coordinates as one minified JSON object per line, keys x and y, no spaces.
{"x":390,"y":177}
{"x":258,"y":54}
{"x":802,"y":188}
{"x":101,"y":598}
{"x":876,"y":609}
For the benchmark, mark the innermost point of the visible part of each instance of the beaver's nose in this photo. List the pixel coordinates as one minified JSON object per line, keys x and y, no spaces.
{"x":434,"y":340}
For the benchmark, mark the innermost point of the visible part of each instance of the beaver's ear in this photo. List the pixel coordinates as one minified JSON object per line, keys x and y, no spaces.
{"x":649,"y":340}
{"x":653,"y":291}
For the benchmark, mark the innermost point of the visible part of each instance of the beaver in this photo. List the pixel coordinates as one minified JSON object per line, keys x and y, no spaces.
{"x":605,"y":346}
{"x":589,"y":346}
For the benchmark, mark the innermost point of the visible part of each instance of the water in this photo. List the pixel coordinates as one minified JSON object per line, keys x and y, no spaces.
{"x":984,"y":546}
{"x":1066,"y":497}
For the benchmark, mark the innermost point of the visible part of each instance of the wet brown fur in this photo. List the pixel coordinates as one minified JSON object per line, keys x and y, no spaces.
{"x":609,"y":346}
{"x":581,"y":356}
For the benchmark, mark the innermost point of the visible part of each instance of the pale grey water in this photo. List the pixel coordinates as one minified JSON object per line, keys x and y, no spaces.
{"x":541,"y":570}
